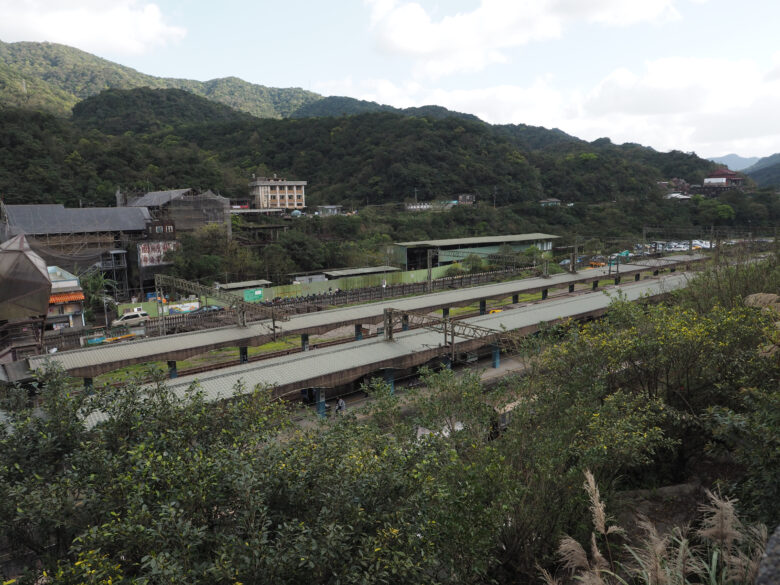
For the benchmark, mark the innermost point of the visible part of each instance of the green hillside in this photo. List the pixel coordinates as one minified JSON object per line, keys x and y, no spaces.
{"x":22,"y":91}
{"x":766,"y":172}
{"x":768,"y":176}
{"x":64,"y":75}
{"x":763,"y":163}
{"x":336,"y":106}
{"x":145,"y":110}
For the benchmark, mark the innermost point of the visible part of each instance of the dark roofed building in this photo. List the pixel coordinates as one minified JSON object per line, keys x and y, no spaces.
{"x":79,"y":238}
{"x":53,"y":219}
{"x":414,"y":255}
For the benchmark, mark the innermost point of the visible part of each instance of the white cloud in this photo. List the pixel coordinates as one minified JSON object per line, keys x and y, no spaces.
{"x":115,"y":26}
{"x":709,"y":105}
{"x":470,"y":41}
{"x":675,"y":103}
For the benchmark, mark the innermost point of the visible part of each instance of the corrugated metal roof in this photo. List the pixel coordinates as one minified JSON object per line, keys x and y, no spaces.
{"x":158,"y":198}
{"x":56,"y":219}
{"x":359,"y":271}
{"x":477,"y":240}
{"x":243,"y":284}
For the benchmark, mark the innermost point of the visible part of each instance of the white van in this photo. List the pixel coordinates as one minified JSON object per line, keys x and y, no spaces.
{"x":131,"y":319}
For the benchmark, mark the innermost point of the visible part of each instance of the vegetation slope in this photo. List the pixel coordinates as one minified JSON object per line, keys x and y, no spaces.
{"x":165,"y":488}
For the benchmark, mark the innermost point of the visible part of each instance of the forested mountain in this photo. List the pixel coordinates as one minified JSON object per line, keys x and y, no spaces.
{"x":55,"y":77}
{"x":151,"y":138}
{"x":766,"y":172}
{"x":145,"y":110}
{"x":146,"y":139}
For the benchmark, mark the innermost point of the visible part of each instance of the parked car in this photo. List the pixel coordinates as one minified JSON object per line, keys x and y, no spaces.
{"x":207,"y":309}
{"x":131,"y":319}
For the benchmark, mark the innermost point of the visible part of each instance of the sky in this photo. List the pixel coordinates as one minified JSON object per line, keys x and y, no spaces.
{"x":693,"y":75}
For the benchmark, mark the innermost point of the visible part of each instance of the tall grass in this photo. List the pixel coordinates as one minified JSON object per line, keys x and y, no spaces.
{"x":728,"y":285}
{"x":721,"y":551}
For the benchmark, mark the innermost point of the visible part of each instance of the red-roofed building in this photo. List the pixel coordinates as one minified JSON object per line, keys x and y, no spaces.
{"x":724,"y":178}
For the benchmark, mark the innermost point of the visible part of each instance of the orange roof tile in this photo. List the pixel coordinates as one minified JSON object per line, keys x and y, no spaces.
{"x":66,"y":297}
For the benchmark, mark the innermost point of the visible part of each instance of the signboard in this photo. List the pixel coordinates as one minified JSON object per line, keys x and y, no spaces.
{"x":181,"y":308}
{"x":253,"y":294}
{"x":153,"y":253}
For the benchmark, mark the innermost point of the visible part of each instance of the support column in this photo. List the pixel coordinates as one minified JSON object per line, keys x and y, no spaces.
{"x":389,"y":377}
{"x":515,"y":299}
{"x":358,"y":332}
{"x":304,"y":342}
{"x":319,"y":399}
{"x":88,"y":384}
{"x":445,"y":312}
{"x":405,"y":323}
{"x":496,"y":355}
{"x":483,"y":306}
{"x":637,"y":276}
{"x":571,"y":287}
{"x":544,"y":294}
{"x":243,"y":355}
{"x":172,"y":373}
{"x":595,"y":284}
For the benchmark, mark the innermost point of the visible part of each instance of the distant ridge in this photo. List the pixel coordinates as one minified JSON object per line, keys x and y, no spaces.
{"x":335,"y":106}
{"x":735,"y":162}
{"x":55,"y":77}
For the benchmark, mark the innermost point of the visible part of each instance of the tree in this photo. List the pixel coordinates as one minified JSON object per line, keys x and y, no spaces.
{"x":96,"y":287}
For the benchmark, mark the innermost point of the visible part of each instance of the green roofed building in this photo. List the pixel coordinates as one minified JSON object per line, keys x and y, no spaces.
{"x":414,"y":255}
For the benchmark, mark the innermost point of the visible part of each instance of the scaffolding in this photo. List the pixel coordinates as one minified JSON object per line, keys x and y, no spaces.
{"x":191,"y":212}
{"x":78,"y":240}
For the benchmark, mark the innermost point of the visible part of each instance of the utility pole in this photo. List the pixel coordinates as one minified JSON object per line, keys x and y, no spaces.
{"x":573,"y":261}
{"x":430,"y":269}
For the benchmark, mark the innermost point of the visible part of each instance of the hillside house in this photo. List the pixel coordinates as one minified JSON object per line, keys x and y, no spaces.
{"x":274,"y":193}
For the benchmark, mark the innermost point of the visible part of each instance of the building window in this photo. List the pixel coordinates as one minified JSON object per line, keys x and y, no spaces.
{"x":158,"y":229}
{"x":169,"y":229}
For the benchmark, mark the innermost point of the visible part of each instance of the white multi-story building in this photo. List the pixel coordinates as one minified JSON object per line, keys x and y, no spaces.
{"x":276,"y":193}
